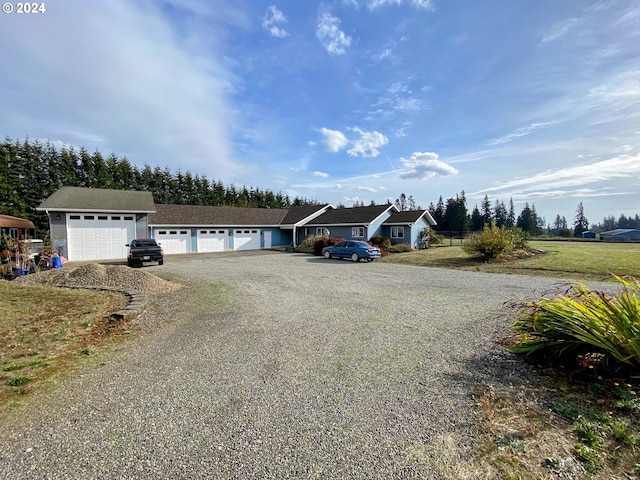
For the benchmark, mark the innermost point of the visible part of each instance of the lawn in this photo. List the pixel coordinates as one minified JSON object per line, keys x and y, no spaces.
{"x":568,"y":260}
{"x":46,"y":330}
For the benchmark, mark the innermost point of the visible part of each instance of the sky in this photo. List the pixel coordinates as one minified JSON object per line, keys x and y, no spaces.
{"x":344,"y":101}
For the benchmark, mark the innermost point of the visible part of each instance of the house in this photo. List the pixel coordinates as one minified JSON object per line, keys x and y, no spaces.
{"x":621,"y":235}
{"x":357,"y":223}
{"x":590,"y":234}
{"x":191,"y":228}
{"x":96,"y":224}
{"x":405,"y":227}
{"x":16,"y":228}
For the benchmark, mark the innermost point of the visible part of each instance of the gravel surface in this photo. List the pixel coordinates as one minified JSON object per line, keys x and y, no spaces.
{"x":96,"y":275}
{"x":274,"y":365}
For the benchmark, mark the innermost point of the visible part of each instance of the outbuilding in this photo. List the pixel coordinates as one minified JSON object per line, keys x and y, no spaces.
{"x":94,"y":223}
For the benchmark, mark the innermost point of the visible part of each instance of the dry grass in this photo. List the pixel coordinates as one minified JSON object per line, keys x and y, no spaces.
{"x":46,"y":330}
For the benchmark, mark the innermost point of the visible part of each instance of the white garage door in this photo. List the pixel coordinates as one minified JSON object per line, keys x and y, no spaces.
{"x":173,"y":241}
{"x":99,"y":237}
{"x":212,"y":240}
{"x":246,"y":239}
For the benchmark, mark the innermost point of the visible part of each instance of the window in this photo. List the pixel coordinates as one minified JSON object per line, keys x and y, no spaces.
{"x":322,"y":231}
{"x":113,"y":217}
{"x":357,"y":232}
{"x":203,"y":231}
{"x":246,"y":231}
{"x":162,"y":232}
{"x":254,"y":231}
{"x":307,"y":232}
{"x":128,"y":218}
{"x":221,"y":231}
{"x":103,"y":217}
{"x":397,"y":232}
{"x":183,"y":232}
{"x":172,"y":232}
{"x":74,"y":217}
{"x":238,"y":231}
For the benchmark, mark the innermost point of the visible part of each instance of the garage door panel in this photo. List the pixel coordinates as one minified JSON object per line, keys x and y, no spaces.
{"x":246,"y":240}
{"x":212,"y":240}
{"x":173,"y":241}
{"x":99,"y":238}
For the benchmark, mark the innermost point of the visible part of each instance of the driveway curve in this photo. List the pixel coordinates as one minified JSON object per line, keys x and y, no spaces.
{"x":273,"y":365}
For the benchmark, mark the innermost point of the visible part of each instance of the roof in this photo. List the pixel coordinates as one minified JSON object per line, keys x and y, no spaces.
{"x":203,"y":215}
{"x":7,"y":221}
{"x":79,"y":199}
{"x":617,"y":231}
{"x":298,"y":214}
{"x":409,"y":216}
{"x":351,"y":216}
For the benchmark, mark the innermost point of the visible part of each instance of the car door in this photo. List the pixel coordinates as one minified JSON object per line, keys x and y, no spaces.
{"x":339,"y":249}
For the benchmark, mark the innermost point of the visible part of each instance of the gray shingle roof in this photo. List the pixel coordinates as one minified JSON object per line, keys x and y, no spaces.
{"x":99,"y":200}
{"x":297,"y":214}
{"x":202,"y":215}
{"x":408,"y":216}
{"x":350,"y":216}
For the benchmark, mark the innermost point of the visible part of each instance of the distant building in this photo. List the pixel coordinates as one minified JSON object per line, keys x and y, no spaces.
{"x":621,"y":235}
{"x":590,"y":234}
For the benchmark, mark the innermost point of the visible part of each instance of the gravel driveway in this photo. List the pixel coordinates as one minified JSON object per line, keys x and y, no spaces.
{"x":273,"y":365}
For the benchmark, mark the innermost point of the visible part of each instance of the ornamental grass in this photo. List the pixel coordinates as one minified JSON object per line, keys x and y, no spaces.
{"x":583,"y":322}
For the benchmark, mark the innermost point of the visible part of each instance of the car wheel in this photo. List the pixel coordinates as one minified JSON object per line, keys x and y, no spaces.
{"x":327,"y":254}
{"x":161,"y":261}
{"x":354,"y":257}
{"x":130,"y":262}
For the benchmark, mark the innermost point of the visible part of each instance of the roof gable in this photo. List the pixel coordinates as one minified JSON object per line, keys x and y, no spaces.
{"x":409,"y":216}
{"x":202,"y":215}
{"x":351,"y":216}
{"x":299,"y":214}
{"x":99,"y":200}
{"x":7,"y":221}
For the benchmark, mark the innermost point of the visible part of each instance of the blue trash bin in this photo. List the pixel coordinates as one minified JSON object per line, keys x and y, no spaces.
{"x":56,"y":262}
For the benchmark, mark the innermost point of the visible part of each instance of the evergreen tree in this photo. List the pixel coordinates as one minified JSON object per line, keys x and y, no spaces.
{"x":528,"y":220}
{"x":511,"y":216}
{"x":500,"y":214}
{"x":477,"y":220}
{"x":581,"y":224}
{"x":486,"y":211}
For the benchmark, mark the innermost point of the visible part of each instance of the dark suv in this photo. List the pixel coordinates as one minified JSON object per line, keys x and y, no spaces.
{"x":144,"y":250}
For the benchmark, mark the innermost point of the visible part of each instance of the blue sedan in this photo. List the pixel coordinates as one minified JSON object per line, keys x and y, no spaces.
{"x":354,"y":249}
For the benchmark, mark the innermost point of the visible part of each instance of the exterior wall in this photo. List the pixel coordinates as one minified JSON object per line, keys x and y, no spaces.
{"x":141,"y":225}
{"x":58,"y":233}
{"x":415,"y":231}
{"x":279,"y":238}
{"x":376,"y":228}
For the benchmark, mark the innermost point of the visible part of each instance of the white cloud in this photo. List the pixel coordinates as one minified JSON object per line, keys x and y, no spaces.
{"x":334,"y":140}
{"x":272,"y":20}
{"x":560,"y":29}
{"x":520,"y":132}
{"x":368,"y":143}
{"x":424,"y":166}
{"x":330,"y":36}
{"x":423,"y":4}
{"x":367,"y":189}
{"x":320,"y":174}
{"x":623,"y":166}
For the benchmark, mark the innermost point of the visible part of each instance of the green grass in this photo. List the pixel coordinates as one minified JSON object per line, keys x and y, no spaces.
{"x":568,"y":260}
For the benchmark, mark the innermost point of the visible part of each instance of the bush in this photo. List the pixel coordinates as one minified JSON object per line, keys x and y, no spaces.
{"x":400,"y":248}
{"x":307,"y":244}
{"x":582,"y":322}
{"x":382,"y":242}
{"x":494,"y":241}
{"x":322,"y":242}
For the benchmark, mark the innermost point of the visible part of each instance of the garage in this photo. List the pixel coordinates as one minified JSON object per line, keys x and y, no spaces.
{"x":99,"y":237}
{"x":246,"y":239}
{"x":212,"y":240}
{"x":173,"y":241}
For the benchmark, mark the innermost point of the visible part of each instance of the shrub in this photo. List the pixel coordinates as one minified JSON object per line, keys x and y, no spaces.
{"x":583,"y":321}
{"x":493,"y":241}
{"x":322,"y":242}
{"x":400,"y":248}
{"x":307,"y":244}
{"x":382,"y":242}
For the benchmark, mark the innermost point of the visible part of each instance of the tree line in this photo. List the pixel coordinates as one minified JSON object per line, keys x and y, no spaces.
{"x":30,"y":171}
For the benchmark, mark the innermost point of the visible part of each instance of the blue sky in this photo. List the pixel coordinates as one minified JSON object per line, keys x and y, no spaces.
{"x":345,"y":100}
